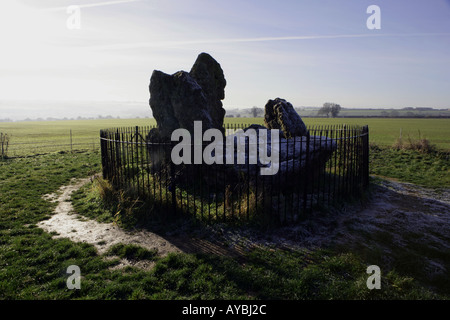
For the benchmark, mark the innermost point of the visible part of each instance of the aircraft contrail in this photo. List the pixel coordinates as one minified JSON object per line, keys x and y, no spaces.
{"x":259,"y":39}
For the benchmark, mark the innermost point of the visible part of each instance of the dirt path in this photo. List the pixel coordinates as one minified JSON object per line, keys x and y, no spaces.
{"x":68,"y":224}
{"x":395,"y":207}
{"x":401,"y":208}
{"x":400,"y":220}
{"x":405,"y":220}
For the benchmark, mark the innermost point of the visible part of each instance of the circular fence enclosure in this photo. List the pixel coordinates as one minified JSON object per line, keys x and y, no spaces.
{"x":321,"y":170}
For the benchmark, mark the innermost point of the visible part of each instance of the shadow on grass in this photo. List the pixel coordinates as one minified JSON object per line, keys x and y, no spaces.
{"x":405,"y":234}
{"x":404,"y":229}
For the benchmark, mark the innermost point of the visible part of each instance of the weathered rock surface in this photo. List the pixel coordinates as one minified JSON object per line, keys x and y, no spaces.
{"x":280,"y":114}
{"x":209,"y":75}
{"x":177,"y":101}
{"x":180,"y":99}
{"x":294,"y":154}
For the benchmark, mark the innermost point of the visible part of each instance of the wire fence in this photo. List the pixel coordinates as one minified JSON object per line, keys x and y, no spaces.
{"x":315,"y":171}
{"x":4,"y":142}
{"x":33,"y":144}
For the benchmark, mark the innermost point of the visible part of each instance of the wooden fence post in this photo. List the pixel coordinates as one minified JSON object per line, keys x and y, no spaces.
{"x":1,"y":141}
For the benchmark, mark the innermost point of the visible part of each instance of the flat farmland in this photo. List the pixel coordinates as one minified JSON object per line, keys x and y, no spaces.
{"x":49,"y":136}
{"x":384,"y":131}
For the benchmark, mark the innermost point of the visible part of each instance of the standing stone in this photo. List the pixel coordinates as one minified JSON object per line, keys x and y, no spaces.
{"x":180,"y":99}
{"x":209,"y":75}
{"x":177,"y":101}
{"x":280,"y":114}
{"x":161,"y":105}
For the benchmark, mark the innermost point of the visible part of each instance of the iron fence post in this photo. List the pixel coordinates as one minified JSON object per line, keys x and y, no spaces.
{"x":366,"y":155}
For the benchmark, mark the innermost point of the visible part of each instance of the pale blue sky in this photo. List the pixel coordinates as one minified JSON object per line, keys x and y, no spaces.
{"x":308,"y":52}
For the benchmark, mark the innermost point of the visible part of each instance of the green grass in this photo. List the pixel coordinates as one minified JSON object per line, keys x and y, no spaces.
{"x":425,"y":169}
{"x":49,"y":136}
{"x":385,"y":132}
{"x":132,"y":252}
{"x":32,"y":264}
{"x":382,"y":131}
{"x":46,"y":136}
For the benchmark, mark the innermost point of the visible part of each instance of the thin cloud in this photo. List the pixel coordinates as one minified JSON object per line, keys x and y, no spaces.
{"x":90,"y":5}
{"x":162,"y":44}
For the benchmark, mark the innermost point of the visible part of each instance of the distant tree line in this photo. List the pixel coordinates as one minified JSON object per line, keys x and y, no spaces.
{"x":335,"y":110}
{"x":99,"y":117}
{"x":254,"y":112}
{"x":407,"y":114}
{"x":329,"y":108}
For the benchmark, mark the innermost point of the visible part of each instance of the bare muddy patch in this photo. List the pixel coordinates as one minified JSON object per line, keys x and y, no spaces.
{"x":68,"y":224}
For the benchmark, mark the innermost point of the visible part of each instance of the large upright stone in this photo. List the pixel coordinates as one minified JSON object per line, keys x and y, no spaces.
{"x":180,"y":99}
{"x":280,"y":114}
{"x":160,"y":87}
{"x":177,"y":101}
{"x":209,"y":75}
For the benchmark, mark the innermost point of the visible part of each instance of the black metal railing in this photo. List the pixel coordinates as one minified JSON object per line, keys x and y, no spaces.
{"x":316,"y":171}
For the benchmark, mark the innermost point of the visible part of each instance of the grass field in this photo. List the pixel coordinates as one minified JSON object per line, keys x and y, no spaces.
{"x":33,"y":264}
{"x":44,"y":136}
